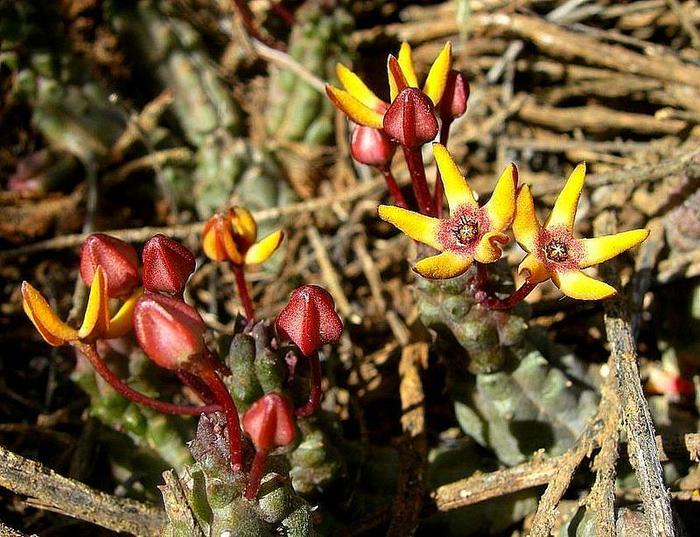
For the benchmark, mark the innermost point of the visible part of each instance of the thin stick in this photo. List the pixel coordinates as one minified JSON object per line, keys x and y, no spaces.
{"x":495,"y":303}
{"x":243,"y":292}
{"x":123,"y":389}
{"x":439,"y":186}
{"x":393,"y":187}
{"x":414,"y":160}
{"x":67,"y":496}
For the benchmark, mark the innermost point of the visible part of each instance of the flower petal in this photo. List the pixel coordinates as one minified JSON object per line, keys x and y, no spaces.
{"x":564,"y":210}
{"x":601,"y":249}
{"x":576,"y":284}
{"x":96,"y":318}
{"x":501,"y":206}
{"x":533,"y":269}
{"x":262,"y":250}
{"x":457,"y":190}
{"x":224,"y":233}
{"x":354,"y":109}
{"x":122,"y":321}
{"x":417,"y":226}
{"x":54,"y":331}
{"x":437,"y":76}
{"x":243,"y":225}
{"x":397,"y":79}
{"x":526,"y":226}
{"x":444,"y":265}
{"x":406,"y":63}
{"x":488,"y":250}
{"x":354,"y":85}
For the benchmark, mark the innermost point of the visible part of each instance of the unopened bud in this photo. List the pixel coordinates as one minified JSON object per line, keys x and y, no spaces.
{"x":453,"y":103}
{"x":309,"y":319}
{"x":118,"y":260}
{"x":371,"y":146}
{"x":167,"y":265}
{"x":410,"y":120}
{"x":169,"y":331}
{"x":270,"y":422}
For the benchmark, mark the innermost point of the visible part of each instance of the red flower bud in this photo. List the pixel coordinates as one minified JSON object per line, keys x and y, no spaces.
{"x":270,"y":422}
{"x":309,"y":319}
{"x":410,"y":120}
{"x":453,"y":103}
{"x":169,"y":331}
{"x":167,"y":265}
{"x":118,"y":260}
{"x":371,"y":146}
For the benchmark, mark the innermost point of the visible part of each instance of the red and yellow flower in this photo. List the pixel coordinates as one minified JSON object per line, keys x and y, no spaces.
{"x":362,"y":105}
{"x":471,"y":233}
{"x":97,"y":321}
{"x":554,"y":252}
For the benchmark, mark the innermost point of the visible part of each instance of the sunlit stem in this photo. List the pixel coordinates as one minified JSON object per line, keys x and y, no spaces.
{"x":439,"y":187}
{"x":393,"y":187}
{"x":90,"y":352}
{"x":315,"y":392}
{"x":414,"y":160}
{"x":243,"y":292}
{"x":233,"y":426}
{"x":508,"y":302}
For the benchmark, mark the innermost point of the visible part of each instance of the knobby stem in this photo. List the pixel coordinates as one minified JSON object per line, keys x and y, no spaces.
{"x":439,"y":186}
{"x":243,"y":292}
{"x":90,"y":352}
{"x":414,"y":160}
{"x":315,"y":393}
{"x":393,"y":187}
{"x":256,"y":470}
{"x":233,"y":425}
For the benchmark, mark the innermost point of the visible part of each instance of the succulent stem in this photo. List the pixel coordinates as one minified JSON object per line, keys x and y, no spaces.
{"x":393,"y":187}
{"x":223,"y":396}
{"x":414,"y":160}
{"x":315,"y":394}
{"x":89,"y":351}
{"x":243,"y":292}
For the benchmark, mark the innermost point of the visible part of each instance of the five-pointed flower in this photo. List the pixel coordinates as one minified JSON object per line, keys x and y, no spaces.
{"x":97,"y":322}
{"x":554,"y":252}
{"x":362,"y":105}
{"x":232,"y":237}
{"x":470,"y":233}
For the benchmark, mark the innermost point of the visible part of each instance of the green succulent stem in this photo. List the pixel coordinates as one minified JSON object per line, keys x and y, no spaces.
{"x":314,"y":401}
{"x":233,"y":426}
{"x":414,"y":160}
{"x":90,"y":352}
{"x":242,"y":287}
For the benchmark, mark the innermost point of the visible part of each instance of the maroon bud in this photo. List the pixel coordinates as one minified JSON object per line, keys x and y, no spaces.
{"x":372,"y":147}
{"x":453,"y":103}
{"x":410,"y":120}
{"x":167,"y":265}
{"x":169,"y":331}
{"x":118,"y":260}
{"x":270,"y":422}
{"x":309,"y":319}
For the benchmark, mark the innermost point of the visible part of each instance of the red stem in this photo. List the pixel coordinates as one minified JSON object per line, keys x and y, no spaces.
{"x":393,"y":187}
{"x":118,"y":384}
{"x":439,"y":186}
{"x":414,"y":160}
{"x":256,"y":473}
{"x":315,"y":393}
{"x":243,"y":292}
{"x":233,"y":425}
{"x":196,"y":384}
{"x":516,"y":297}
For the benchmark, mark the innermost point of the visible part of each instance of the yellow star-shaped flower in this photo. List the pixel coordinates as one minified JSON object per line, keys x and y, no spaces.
{"x":470,"y":233}
{"x":554,"y":252}
{"x":362,"y":105}
{"x":97,"y":322}
{"x":232,"y":237}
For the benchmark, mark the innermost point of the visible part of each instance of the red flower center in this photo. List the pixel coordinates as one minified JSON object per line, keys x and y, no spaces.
{"x":462,"y":232}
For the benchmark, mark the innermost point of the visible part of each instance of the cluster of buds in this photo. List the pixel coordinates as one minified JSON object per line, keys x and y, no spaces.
{"x":412,"y":118}
{"x":172,"y":333}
